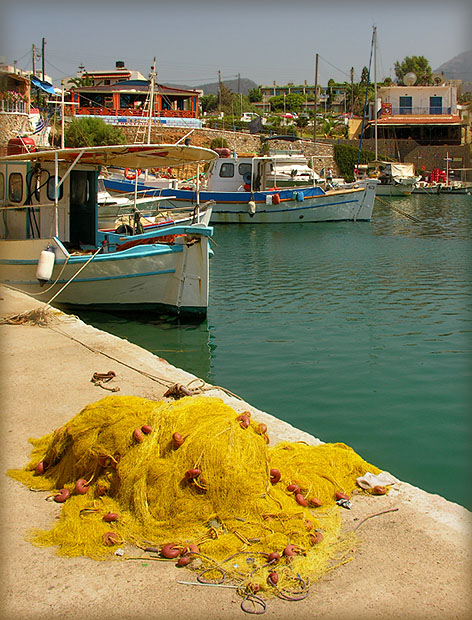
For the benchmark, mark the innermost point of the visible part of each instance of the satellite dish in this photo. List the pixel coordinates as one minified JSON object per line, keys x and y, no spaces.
{"x":409,"y":79}
{"x":438,"y":78}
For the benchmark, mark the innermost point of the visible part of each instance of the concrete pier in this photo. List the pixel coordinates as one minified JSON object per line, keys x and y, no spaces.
{"x":410,"y":564}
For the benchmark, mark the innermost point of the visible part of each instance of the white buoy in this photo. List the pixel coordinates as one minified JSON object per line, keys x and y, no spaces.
{"x":45,"y":265}
{"x":251,"y":207}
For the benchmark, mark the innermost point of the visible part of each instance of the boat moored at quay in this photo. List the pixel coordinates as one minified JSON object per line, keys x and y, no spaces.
{"x":51,"y":247}
{"x":239,"y":188}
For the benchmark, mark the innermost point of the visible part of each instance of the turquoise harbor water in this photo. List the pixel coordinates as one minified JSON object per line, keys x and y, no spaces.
{"x":354,"y":332}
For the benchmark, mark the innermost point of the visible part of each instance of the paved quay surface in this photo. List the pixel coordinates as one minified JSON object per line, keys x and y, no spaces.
{"x":410,"y":564}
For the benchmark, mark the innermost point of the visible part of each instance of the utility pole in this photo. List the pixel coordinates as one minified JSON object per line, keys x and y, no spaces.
{"x":352,"y":91}
{"x":316,"y":99}
{"x":42,"y":57}
{"x":240,"y":93}
{"x":219,"y":89}
{"x":34,"y":59}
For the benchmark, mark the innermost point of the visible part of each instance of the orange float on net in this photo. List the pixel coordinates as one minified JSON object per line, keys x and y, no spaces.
{"x":243,"y":420}
{"x":61,"y":497}
{"x":300,"y":499}
{"x":110,"y":517}
{"x":110,"y":539}
{"x":170,"y":551}
{"x":138,"y":435}
{"x":81,"y":486}
{"x":177,"y":440}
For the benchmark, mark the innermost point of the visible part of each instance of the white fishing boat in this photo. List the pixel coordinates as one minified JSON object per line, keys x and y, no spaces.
{"x":132,"y":215}
{"x":241,"y":190}
{"x":51,"y":248}
{"x":395,"y":179}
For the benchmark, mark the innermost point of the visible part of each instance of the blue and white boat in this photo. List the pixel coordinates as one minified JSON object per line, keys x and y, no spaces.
{"x":51,"y":248}
{"x":240,"y":188}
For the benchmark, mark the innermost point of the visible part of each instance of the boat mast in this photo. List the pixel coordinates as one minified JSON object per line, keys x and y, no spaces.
{"x":316,"y":103}
{"x":151,"y":99}
{"x":375,"y":93}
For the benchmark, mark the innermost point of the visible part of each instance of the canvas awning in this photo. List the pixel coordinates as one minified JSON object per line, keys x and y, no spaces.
{"x":49,"y":88}
{"x":126,"y":156}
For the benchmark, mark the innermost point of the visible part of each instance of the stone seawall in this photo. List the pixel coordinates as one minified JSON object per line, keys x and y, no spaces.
{"x":242,"y":143}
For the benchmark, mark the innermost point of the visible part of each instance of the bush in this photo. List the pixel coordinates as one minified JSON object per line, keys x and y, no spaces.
{"x":346,"y":157}
{"x":219,"y":143}
{"x":92,"y":132}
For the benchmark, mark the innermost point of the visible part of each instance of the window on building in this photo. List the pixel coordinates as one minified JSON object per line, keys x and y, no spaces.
{"x":15,"y":187}
{"x":406,"y":105}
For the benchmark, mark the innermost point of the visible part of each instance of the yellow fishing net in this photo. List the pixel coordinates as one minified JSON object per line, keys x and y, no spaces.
{"x":195,"y":481}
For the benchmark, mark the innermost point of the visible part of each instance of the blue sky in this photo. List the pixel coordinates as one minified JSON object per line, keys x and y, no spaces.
{"x":263,"y":40}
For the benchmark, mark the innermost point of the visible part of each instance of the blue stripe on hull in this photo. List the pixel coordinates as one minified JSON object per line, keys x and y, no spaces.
{"x":97,"y":279}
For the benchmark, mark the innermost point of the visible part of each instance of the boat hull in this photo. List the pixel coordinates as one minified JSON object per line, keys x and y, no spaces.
{"x":143,"y":277}
{"x":309,"y":204}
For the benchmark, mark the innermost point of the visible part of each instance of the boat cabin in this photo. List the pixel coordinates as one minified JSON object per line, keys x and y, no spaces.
{"x":249,"y":172}
{"x":29,"y":206}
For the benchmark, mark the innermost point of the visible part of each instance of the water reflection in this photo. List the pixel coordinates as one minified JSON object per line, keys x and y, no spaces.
{"x":443,"y":215}
{"x":183,"y":344}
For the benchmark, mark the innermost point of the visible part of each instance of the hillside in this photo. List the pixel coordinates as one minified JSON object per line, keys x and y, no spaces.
{"x":458,"y":68}
{"x":245,"y":86}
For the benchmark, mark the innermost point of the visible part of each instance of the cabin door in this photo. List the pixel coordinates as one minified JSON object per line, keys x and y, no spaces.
{"x":83,"y":207}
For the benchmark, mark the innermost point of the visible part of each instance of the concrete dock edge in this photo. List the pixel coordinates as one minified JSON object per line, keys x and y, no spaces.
{"x":412,"y":563}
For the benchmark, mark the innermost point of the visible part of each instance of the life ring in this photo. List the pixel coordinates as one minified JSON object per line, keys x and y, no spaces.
{"x":132,"y":175}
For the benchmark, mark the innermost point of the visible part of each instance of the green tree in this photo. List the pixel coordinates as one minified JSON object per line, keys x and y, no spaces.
{"x":255,"y":94}
{"x":92,"y":132}
{"x":364,"y":75}
{"x":418,"y":65}
{"x":209,"y":103}
{"x":291,"y":103}
{"x":227,"y":100}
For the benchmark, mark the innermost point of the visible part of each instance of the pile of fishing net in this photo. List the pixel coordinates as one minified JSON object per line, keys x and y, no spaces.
{"x":194,"y":481}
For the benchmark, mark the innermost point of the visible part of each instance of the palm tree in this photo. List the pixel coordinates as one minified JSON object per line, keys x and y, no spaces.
{"x":355,"y":95}
{"x":85,"y":80}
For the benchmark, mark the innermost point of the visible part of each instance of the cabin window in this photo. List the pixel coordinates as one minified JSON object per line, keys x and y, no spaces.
{"x":50,"y":189}
{"x":15,"y":187}
{"x":244,"y":169}
{"x":2,"y":188}
{"x":227,"y":170}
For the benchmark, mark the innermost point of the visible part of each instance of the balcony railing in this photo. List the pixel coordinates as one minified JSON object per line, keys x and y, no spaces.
{"x":100,"y":111}
{"x":13,"y":107}
{"x":417,"y":111}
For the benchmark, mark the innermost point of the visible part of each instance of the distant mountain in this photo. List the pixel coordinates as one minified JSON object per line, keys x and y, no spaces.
{"x":245,"y":86}
{"x":459,"y":68}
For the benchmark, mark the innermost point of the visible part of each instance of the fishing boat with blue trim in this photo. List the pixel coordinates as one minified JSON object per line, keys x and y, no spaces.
{"x":240,"y":187}
{"x":51,"y":247}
